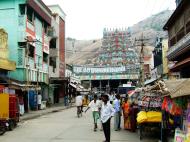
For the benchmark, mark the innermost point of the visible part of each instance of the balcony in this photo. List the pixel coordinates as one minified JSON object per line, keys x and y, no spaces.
{"x":181,"y":45}
{"x":31,"y":62}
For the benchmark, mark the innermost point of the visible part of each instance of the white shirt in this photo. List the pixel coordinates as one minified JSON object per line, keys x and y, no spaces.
{"x":106,"y":112}
{"x":78,"y":100}
{"x":111,"y":97}
{"x":39,"y":99}
{"x":94,"y":106}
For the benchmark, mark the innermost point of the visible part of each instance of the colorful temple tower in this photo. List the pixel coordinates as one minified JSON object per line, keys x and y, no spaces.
{"x":117,"y":48}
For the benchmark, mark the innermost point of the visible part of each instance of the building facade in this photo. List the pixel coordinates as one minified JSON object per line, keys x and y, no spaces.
{"x":178,"y":27}
{"x":27,"y":23}
{"x":58,"y":80}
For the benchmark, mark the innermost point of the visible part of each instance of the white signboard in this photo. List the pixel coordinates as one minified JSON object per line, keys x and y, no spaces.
{"x":83,"y":69}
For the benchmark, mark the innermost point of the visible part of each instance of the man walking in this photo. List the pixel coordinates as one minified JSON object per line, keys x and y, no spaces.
{"x":79,"y":104}
{"x":117,"y":115}
{"x":94,"y":105}
{"x":107,"y":111}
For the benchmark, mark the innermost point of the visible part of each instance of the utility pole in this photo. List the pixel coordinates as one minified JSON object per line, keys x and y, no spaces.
{"x":27,"y":74}
{"x":141,"y":59}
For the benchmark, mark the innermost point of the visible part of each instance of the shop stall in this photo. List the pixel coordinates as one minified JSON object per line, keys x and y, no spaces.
{"x":176,"y":110}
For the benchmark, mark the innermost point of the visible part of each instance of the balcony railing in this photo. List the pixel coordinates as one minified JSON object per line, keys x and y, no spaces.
{"x":31,"y":62}
{"x":181,"y":44}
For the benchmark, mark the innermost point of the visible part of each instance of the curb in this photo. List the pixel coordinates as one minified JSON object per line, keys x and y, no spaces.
{"x":43,"y":113}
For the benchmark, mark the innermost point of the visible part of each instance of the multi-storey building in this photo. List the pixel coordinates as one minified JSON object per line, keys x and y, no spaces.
{"x":178,"y":27}
{"x":27,"y":23}
{"x":57,"y":64}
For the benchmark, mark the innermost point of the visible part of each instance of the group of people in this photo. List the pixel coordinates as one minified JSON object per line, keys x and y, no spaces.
{"x":107,"y":106}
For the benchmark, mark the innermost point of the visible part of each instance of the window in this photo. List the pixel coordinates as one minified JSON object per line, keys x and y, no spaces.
{"x":22,"y":9}
{"x":31,"y":51}
{"x":45,"y":28}
{"x":45,"y":57}
{"x":52,"y":61}
{"x":30,"y":15}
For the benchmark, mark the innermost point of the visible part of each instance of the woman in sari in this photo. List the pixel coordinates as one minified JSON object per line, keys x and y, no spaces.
{"x":126,"y":109}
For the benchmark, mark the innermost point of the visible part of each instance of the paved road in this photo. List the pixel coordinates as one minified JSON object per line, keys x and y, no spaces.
{"x":64,"y":126}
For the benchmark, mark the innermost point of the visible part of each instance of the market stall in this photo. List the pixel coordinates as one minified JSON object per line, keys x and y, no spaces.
{"x":176,"y":110}
{"x":149,"y":118}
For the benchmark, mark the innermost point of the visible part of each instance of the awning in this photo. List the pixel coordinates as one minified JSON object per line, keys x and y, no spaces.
{"x":178,"y":88}
{"x":180,"y":64}
{"x":23,"y":87}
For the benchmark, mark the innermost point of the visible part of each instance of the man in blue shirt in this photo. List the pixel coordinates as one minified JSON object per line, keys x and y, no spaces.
{"x":117,"y":115}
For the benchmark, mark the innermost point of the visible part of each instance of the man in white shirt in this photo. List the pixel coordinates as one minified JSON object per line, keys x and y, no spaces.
{"x":78,"y":102}
{"x":95,"y":106}
{"x":107,"y":111}
{"x":39,"y":101}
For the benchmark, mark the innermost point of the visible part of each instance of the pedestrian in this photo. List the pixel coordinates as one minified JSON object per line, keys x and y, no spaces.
{"x":78,"y":102}
{"x":133,"y":115}
{"x":126,"y":109}
{"x":117,"y":115}
{"x":111,"y":97}
{"x":39,"y":101}
{"x":101,"y":102}
{"x":94,"y":105}
{"x":107,"y":112}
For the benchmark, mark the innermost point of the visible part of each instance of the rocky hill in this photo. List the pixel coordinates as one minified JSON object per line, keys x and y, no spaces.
{"x":86,"y":51}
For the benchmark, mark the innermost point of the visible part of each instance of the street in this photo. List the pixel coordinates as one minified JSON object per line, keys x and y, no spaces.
{"x":64,"y":126}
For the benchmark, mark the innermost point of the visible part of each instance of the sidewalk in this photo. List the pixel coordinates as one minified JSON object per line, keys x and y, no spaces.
{"x":38,"y":113}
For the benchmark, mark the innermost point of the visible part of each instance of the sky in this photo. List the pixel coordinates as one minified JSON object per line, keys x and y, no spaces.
{"x":86,"y":19}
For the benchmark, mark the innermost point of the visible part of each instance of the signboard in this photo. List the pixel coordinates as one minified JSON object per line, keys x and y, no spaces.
{"x":108,"y":76}
{"x":46,"y":44}
{"x":102,"y":70}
